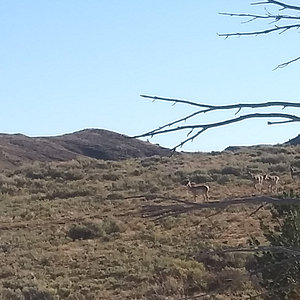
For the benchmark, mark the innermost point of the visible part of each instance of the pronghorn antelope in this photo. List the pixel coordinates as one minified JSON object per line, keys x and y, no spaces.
{"x":257,"y":180}
{"x":272,"y":182}
{"x":198,"y":190}
{"x":295,"y":174}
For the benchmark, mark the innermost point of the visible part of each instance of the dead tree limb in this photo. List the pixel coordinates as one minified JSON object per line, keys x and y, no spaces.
{"x":280,"y":3}
{"x":266,"y":31}
{"x":274,"y":17}
{"x":200,"y":128}
{"x":239,"y":106}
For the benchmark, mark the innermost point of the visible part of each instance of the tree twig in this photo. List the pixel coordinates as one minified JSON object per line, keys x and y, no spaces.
{"x":283,"y":65}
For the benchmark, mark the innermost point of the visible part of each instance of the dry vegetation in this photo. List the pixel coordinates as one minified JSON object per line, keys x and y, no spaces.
{"x":74,"y":230}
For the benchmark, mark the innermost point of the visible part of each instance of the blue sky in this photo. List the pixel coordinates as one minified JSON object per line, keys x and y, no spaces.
{"x":66,"y":65}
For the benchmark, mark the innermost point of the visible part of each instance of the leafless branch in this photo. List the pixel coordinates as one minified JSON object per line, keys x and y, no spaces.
{"x":283,"y":65}
{"x":269,"y":16}
{"x":253,"y":17}
{"x":169,"y":127}
{"x":282,"y":4}
{"x":204,"y":127}
{"x":230,"y":106}
{"x":266,"y":31}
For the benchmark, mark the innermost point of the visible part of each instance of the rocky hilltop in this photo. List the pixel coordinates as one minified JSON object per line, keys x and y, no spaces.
{"x":16,"y":149}
{"x":294,"y":141}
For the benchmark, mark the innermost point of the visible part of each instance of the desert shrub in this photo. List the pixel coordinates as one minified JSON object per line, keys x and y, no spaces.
{"x":111,"y":226}
{"x":216,"y":153}
{"x":115,"y":196}
{"x":296,"y":163}
{"x":63,"y":171}
{"x":145,"y":186}
{"x":280,"y":168}
{"x":272,"y":159}
{"x":86,"y":231}
{"x":223,"y":179}
{"x":65,"y":192}
{"x":37,"y":294}
{"x":214,"y":171}
{"x":228,"y":280}
{"x":19,"y":181}
{"x":137,"y":172}
{"x":11,"y":294}
{"x":90,"y":230}
{"x":111,"y":177}
{"x":280,"y":270}
{"x":60,"y":172}
{"x":179,"y":177}
{"x":169,"y":222}
{"x":100,"y":164}
{"x":7,"y":185}
{"x":200,"y":178}
{"x":220,"y":261}
{"x":188,"y":272}
{"x":26,"y":293}
{"x":231,"y":171}
{"x":150,"y":161}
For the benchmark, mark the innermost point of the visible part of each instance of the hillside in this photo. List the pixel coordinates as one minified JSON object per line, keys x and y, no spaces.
{"x":79,"y":230}
{"x":16,"y":149}
{"x":294,"y":141}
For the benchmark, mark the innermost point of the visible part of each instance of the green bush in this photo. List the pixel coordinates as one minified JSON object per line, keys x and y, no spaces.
{"x":280,"y":270}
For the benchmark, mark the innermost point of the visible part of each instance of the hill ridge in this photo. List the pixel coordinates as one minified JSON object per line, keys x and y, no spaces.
{"x":16,"y":149}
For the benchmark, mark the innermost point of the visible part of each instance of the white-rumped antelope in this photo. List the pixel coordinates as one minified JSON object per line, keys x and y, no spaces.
{"x":272,"y":182}
{"x":257,"y":180}
{"x":295,"y":174}
{"x":198,"y":190}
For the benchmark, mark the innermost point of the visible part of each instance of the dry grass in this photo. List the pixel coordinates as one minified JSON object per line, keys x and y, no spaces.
{"x":74,"y":230}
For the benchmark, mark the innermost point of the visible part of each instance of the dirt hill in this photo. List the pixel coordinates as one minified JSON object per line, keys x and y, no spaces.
{"x":16,"y":149}
{"x":294,"y":141}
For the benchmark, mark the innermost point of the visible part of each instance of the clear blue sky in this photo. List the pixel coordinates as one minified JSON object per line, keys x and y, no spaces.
{"x":66,"y":65}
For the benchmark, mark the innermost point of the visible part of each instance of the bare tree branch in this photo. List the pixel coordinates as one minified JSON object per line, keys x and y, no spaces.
{"x":230,"y":106}
{"x":204,"y":127}
{"x":274,"y":17}
{"x":209,"y":108}
{"x":276,"y":28}
{"x":282,"y":4}
{"x":283,"y":65}
{"x":267,"y":16}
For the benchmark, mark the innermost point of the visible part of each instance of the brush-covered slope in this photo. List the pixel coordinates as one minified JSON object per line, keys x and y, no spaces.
{"x":82,"y":229}
{"x":16,"y":149}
